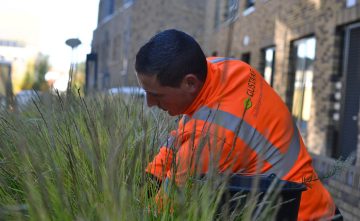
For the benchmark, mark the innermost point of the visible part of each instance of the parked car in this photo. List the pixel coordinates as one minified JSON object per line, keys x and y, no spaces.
{"x":129,"y":91}
{"x":25,"y":97}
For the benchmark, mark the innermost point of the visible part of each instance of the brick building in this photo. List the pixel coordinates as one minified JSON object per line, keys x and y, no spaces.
{"x":124,"y":25}
{"x":309,"y":51}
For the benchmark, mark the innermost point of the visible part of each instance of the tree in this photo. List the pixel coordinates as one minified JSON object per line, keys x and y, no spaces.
{"x":28,"y":80}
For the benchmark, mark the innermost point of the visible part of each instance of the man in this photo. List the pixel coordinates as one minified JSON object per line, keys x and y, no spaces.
{"x":246,"y":125}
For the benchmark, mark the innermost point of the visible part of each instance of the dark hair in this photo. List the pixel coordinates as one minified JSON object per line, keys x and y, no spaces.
{"x":170,"y":55}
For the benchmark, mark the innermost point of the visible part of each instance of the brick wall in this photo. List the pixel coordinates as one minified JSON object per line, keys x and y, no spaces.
{"x":344,"y":187}
{"x":279,"y":23}
{"x":118,"y":37}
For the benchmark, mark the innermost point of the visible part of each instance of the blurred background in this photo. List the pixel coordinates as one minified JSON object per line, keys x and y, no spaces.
{"x":32,"y":41}
{"x":307,"y":50}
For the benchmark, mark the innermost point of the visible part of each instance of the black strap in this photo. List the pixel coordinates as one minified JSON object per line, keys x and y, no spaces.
{"x":338,"y":216}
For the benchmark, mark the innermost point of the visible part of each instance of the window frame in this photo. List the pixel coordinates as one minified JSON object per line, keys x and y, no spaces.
{"x":291,"y":89}
{"x":264,"y":62}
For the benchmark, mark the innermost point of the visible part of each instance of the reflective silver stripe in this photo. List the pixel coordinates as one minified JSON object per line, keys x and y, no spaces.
{"x":254,"y":139}
{"x":167,"y":186}
{"x":169,"y":142}
{"x":290,"y":157}
{"x":185,"y":119}
{"x":222,"y":59}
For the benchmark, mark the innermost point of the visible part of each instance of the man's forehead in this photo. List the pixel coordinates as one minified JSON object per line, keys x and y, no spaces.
{"x":148,"y":82}
{"x":147,"y":79}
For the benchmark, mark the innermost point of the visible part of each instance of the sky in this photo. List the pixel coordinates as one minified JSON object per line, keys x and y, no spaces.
{"x":49,"y":23}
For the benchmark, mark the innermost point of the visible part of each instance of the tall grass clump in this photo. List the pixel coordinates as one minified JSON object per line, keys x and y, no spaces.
{"x":83,"y":158}
{"x":73,"y":158}
{"x":66,"y":158}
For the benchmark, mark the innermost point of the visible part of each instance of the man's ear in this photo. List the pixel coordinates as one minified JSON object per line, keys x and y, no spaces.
{"x":191,"y":83}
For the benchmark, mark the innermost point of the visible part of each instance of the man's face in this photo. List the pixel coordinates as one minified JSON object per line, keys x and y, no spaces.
{"x":174,"y":100}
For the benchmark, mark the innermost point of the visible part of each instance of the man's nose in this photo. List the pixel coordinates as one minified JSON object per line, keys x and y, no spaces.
{"x":150,"y":101}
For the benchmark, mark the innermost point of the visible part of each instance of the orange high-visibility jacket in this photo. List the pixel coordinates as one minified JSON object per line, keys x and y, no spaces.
{"x":239,"y":123}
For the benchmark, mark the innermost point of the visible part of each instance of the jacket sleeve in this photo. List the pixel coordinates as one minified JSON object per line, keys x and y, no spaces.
{"x":161,"y":163}
{"x":197,"y":153}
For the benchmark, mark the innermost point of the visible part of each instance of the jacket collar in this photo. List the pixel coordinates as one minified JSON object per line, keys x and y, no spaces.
{"x":205,"y":92}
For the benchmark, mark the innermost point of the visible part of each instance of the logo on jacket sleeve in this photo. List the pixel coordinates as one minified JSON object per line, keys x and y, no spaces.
{"x":250,"y":89}
{"x":251,"y":83}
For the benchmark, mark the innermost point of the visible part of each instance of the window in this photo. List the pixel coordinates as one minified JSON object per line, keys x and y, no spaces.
{"x":106,"y":8}
{"x":127,"y":3}
{"x":111,"y":7}
{"x":217,"y":14}
{"x":350,"y":3}
{"x":5,"y":78}
{"x":304,"y":51}
{"x":246,"y":57}
{"x":106,"y":80}
{"x":6,"y":91}
{"x":249,"y":4}
{"x":230,"y":10}
{"x":249,"y":7}
{"x":269,"y":64}
{"x":91,"y":74}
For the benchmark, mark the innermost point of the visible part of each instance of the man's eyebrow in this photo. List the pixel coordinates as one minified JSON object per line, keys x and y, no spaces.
{"x":153,"y":93}
{"x":149,"y":92}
